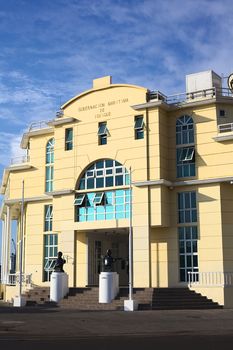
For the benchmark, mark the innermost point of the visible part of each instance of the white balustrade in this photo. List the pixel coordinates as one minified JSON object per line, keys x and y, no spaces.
{"x":211,"y":278}
{"x":13,"y":279}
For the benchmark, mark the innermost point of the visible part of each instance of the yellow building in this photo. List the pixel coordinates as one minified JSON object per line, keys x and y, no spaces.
{"x":178,"y":152}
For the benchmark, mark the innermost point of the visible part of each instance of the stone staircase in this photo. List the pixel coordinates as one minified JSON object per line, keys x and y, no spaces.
{"x":148,"y":299}
{"x":180,"y":298}
{"x":37,"y":296}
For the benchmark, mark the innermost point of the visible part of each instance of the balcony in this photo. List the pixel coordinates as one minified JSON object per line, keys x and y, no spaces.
{"x":183,"y":98}
{"x":20,"y":160}
{"x":225,"y":132}
{"x":38,"y":125}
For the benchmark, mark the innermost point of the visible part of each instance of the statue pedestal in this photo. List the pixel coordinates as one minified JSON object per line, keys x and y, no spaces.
{"x":108,"y":286}
{"x":19,"y":301}
{"x":58,"y":286}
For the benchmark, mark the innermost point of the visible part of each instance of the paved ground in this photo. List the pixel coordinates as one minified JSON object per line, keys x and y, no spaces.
{"x":188,"y":327}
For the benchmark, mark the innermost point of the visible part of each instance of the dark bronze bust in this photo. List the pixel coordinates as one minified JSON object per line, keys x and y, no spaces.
{"x":58,"y":267}
{"x":108,"y":261}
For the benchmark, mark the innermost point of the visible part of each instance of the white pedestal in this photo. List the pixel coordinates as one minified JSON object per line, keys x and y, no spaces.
{"x":108,"y":286}
{"x":130,"y":305}
{"x":19,"y":301}
{"x":58,"y":286}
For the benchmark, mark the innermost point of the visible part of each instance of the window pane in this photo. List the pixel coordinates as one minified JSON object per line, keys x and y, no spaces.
{"x":109,"y":163}
{"x":90,"y":183}
{"x":99,"y":164}
{"x":109,"y":181}
{"x":119,"y":180}
{"x":99,"y":182}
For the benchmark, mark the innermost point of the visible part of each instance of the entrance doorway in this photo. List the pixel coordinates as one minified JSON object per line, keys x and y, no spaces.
{"x":98,"y":244}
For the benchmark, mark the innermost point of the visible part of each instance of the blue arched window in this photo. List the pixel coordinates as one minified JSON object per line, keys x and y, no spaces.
{"x":107,"y":201}
{"x":49,"y":168}
{"x":185,"y":149}
{"x":104,"y":173}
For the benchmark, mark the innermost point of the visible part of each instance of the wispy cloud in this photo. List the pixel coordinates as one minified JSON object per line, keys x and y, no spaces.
{"x":51,"y":51}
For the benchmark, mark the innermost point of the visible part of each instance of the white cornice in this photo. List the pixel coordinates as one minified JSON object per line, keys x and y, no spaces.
{"x":170,"y":184}
{"x":27,"y":135}
{"x":221,"y":137}
{"x":61,"y":121}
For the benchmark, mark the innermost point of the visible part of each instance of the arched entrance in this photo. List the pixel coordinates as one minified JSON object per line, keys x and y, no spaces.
{"x":103,"y":198}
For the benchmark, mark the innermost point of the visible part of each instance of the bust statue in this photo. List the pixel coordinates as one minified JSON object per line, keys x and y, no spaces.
{"x":58,"y":267}
{"x":108,"y":261}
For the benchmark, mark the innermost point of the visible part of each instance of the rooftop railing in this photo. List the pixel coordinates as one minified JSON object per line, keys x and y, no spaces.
{"x":20,"y":160}
{"x":189,"y":96}
{"x":38,"y":125}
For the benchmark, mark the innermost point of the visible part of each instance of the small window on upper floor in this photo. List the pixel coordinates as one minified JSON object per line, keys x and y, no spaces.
{"x":138,"y":127}
{"x":79,"y":200}
{"x":69,"y":139}
{"x":103,"y":133}
{"x":222,"y":113}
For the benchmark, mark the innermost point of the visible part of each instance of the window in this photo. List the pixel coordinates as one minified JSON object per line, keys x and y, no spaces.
{"x":69,"y":139}
{"x":103,"y":133}
{"x":187,"y":209}
{"x":104,"y":173}
{"x":139,"y":127}
{"x":106,"y":205}
{"x":188,"y":251}
{"x":186,"y":154}
{"x":49,"y":169}
{"x":49,"y":178}
{"x":98,"y":198}
{"x":48,"y":217}
{"x":222,"y":113}
{"x":50,"y":254}
{"x":185,"y":150}
{"x":50,"y":151}
{"x":79,"y":200}
{"x":187,"y":214}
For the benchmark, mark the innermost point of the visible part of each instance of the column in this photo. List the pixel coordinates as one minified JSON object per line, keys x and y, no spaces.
{"x":6,"y":240}
{"x":3,"y":250}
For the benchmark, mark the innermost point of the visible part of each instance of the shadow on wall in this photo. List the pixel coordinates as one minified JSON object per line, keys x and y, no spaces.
{"x":164,"y":258}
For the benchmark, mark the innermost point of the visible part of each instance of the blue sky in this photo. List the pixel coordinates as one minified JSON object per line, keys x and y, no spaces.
{"x":52,"y":50}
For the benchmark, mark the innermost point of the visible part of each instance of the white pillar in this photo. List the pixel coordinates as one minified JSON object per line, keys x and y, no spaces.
{"x":3,"y":250}
{"x":6,"y":241}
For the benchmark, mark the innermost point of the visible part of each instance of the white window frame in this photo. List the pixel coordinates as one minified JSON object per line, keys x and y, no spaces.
{"x":184,"y":154}
{"x":100,"y":199}
{"x":79,"y":199}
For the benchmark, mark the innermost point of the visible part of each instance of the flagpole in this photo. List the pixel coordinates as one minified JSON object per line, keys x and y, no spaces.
{"x":130,"y":241}
{"x":21,"y":243}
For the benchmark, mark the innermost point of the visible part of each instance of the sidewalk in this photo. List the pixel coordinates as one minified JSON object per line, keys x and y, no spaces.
{"x":54,"y":322}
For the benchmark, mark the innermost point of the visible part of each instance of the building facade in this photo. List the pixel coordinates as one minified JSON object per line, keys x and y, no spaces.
{"x":117,"y":152}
